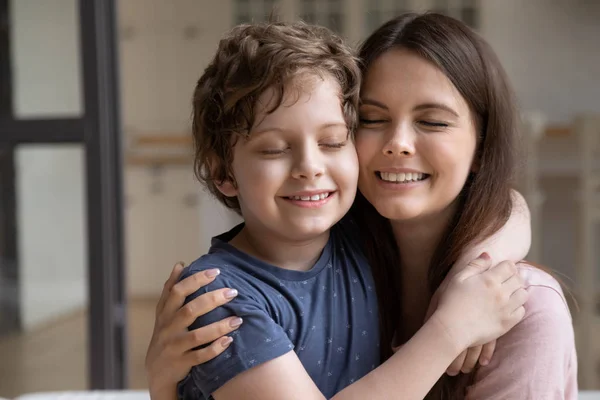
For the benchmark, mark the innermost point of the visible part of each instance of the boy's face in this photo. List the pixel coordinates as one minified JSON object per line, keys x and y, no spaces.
{"x":296,"y":175}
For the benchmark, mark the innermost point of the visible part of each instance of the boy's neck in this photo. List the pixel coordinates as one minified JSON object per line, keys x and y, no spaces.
{"x":278,"y":251}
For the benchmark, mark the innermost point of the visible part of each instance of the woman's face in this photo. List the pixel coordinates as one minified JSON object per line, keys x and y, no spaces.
{"x":416,"y":141}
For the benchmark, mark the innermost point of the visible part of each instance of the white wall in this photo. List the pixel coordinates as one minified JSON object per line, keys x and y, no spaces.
{"x":168,"y":219}
{"x":52,"y":250}
{"x":164,"y":47}
{"x":551,"y":52}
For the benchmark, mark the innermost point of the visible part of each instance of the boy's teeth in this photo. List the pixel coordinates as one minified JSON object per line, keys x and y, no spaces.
{"x":402,"y":176}
{"x":315,"y":197}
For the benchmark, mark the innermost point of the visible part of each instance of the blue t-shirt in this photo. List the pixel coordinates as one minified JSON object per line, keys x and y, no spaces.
{"x":327,"y":315}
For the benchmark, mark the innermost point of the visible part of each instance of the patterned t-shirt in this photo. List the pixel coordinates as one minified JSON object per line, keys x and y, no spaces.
{"x":327,"y":315}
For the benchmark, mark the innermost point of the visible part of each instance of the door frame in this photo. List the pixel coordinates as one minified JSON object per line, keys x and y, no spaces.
{"x":99,"y":131}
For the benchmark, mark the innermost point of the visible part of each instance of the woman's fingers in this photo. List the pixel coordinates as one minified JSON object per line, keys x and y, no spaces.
{"x":471,"y":359}
{"x":184,"y":288}
{"x":203,"y":304}
{"x":169,"y":283}
{"x":200,"y":356}
{"x":487,"y":352}
{"x":456,"y":365}
{"x":207,"y":334}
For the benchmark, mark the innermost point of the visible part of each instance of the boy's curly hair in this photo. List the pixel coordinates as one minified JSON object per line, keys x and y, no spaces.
{"x":251,"y":59}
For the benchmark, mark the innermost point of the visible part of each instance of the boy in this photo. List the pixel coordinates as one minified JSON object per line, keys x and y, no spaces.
{"x":273,"y":117}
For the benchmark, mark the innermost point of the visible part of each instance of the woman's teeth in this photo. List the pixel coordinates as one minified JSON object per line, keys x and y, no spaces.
{"x":402,"y":176}
{"x":315,"y":197}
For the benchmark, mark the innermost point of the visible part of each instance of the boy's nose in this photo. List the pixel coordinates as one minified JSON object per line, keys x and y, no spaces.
{"x":309,"y":166}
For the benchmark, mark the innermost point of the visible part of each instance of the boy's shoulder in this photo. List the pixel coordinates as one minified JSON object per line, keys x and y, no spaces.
{"x":231,"y":267}
{"x":223,"y":256}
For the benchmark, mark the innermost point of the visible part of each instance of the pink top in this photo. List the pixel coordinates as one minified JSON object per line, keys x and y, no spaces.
{"x":536,"y":359}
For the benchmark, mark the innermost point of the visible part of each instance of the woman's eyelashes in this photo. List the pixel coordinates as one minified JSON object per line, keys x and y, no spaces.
{"x":433,"y":124}
{"x":429,"y":124}
{"x":370,"y":121}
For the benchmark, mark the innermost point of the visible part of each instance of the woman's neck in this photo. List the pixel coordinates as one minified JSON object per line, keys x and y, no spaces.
{"x":417,"y":242}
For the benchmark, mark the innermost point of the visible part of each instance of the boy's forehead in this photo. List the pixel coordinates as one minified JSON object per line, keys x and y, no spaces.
{"x":316,"y":104}
{"x":299,"y":88}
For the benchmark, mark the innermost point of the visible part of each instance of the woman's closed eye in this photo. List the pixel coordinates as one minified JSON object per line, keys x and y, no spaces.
{"x":433,"y":124}
{"x":367,"y":121}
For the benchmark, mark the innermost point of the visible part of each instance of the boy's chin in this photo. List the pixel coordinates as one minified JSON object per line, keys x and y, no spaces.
{"x":306,"y":230}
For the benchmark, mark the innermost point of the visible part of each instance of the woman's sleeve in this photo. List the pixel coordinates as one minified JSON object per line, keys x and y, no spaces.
{"x":537,"y":358}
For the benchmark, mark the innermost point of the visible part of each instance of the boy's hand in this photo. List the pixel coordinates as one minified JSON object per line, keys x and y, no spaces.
{"x":468,"y":359}
{"x":479,"y":304}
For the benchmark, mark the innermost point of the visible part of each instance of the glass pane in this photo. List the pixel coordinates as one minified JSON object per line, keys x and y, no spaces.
{"x":47,"y":349}
{"x":45,"y":58}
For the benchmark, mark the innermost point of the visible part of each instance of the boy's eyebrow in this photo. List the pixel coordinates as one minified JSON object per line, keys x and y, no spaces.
{"x":321,"y":127}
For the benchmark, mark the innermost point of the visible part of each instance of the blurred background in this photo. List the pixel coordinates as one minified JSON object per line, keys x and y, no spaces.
{"x":97,"y":194}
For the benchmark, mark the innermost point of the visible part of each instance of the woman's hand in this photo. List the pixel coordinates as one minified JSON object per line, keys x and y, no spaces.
{"x":172,"y":351}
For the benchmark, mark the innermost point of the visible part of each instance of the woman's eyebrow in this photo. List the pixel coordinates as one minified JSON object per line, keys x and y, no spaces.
{"x":438,"y":106}
{"x":371,"y":102}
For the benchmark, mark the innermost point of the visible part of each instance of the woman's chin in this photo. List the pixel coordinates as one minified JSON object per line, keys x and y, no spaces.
{"x":398,"y":212}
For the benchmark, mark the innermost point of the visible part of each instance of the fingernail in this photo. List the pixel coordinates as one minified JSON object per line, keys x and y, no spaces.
{"x":180,"y":264}
{"x":226,"y":341}
{"x":451,"y":373}
{"x":484,"y":361}
{"x":234,"y":323}
{"x":211,"y":273}
{"x":485,"y":256}
{"x":231,"y":293}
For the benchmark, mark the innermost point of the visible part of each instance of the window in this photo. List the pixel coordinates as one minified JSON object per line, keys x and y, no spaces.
{"x":380,"y":11}
{"x":246,"y":11}
{"x":329,"y":13}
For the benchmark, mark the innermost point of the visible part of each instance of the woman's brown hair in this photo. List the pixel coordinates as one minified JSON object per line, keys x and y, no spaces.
{"x":485,"y":201}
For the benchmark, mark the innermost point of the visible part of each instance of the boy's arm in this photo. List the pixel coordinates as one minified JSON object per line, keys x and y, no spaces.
{"x":413,"y":370}
{"x":512,"y":242}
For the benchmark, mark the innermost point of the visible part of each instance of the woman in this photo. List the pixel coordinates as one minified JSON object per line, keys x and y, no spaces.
{"x":435,"y":101}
